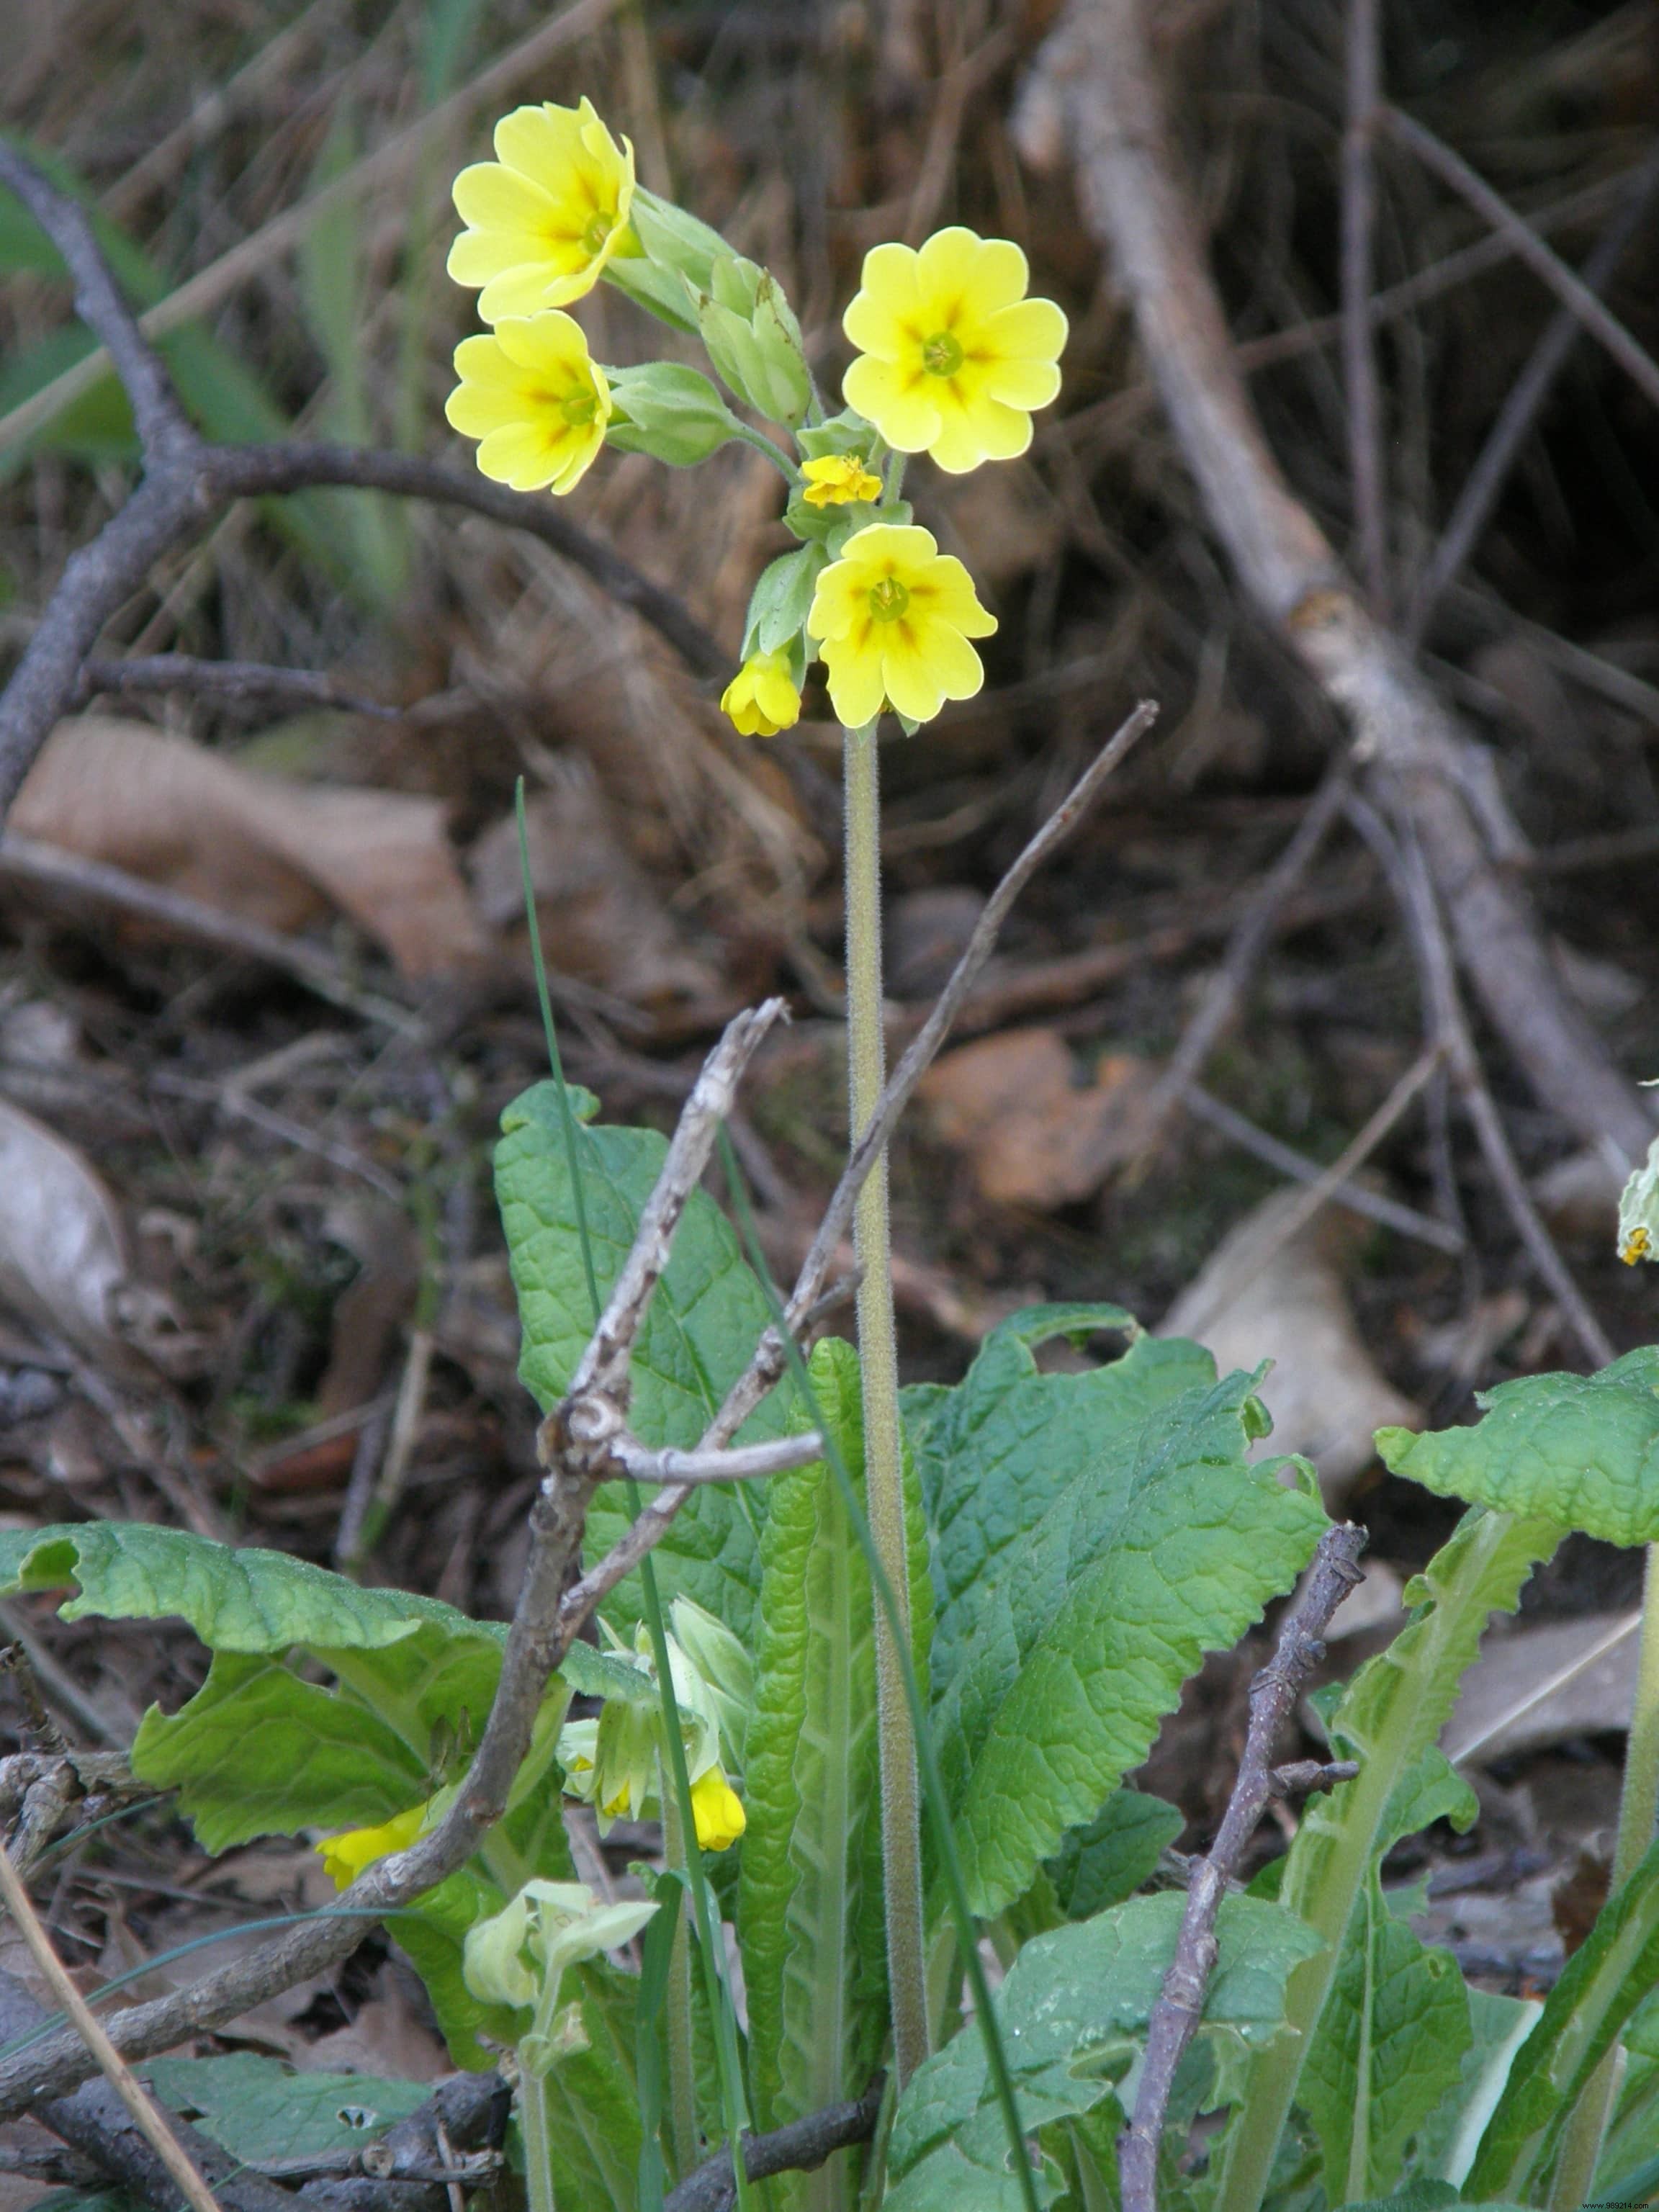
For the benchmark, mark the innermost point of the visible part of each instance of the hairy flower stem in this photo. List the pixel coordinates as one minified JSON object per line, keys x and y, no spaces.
{"x":538,"y":2142}
{"x":901,"y":1816}
{"x":681,"y":2056}
{"x":1638,"y":1811}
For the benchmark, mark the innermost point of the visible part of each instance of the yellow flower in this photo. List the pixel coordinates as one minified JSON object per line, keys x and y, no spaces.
{"x":718,"y":1811}
{"x":895,"y":616}
{"x":761,"y":698}
{"x":530,"y":391}
{"x":953,"y":356}
{"x":543,"y":218}
{"x":838,"y":478}
{"x":345,"y":1856}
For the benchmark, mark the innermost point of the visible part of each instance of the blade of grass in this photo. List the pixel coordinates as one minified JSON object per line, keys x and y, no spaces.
{"x":938,"y":1813}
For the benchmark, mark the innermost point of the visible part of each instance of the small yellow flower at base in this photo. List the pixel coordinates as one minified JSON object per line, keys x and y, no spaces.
{"x":535,"y":399}
{"x":895,"y":616}
{"x":543,"y":219}
{"x":953,"y":356}
{"x":345,"y":1856}
{"x":718,"y":1811}
{"x":836,"y":479}
{"x":761,"y":698}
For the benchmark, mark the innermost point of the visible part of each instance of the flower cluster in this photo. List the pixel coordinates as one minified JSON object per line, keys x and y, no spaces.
{"x":617,"y":1763}
{"x":950,"y":358}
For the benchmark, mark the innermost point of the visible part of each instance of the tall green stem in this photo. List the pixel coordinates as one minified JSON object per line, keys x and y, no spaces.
{"x":682,"y":2050}
{"x":538,"y":2142}
{"x":901,"y":1817}
{"x":1638,"y":1810}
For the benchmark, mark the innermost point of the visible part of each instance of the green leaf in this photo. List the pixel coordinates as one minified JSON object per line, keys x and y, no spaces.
{"x":1387,"y":1720}
{"x":1071,"y":2009}
{"x":700,"y":1330}
{"x":1605,"y":1980}
{"x":236,"y":1600}
{"x":1582,"y":1450}
{"x":257,"y":1752}
{"x":1390,"y":2043}
{"x":1108,"y":1858}
{"x":259,"y":2110}
{"x":1449,"y":2138}
{"x":594,"y":2110}
{"x":811,"y":1781}
{"x":1094,"y":1536}
{"x":995,"y":1452}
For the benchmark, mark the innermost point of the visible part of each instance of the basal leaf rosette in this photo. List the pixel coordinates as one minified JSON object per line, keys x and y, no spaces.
{"x":894,"y":615}
{"x":535,"y":400}
{"x":1581,"y":1450}
{"x":544,"y":217}
{"x":952,"y":356}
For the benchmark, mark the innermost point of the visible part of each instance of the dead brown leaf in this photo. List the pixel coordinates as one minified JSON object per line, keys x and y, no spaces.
{"x":64,"y":1256}
{"x":278,"y":853}
{"x":1032,"y":1134}
{"x":1257,"y":1299}
{"x":602,"y":920}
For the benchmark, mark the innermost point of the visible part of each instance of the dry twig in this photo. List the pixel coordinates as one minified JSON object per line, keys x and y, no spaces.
{"x":1358,"y":357}
{"x":1180,"y":2006}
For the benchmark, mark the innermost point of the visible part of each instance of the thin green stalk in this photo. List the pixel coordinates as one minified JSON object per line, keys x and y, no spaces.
{"x":681,"y":2049}
{"x":1638,"y":1811}
{"x":773,"y":453}
{"x":887,"y":1604}
{"x":538,"y":2142}
{"x":901,"y":1808}
{"x":733,"y":2103}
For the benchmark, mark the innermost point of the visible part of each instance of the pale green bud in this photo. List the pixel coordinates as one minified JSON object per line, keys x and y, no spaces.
{"x":754,"y":342}
{"x":518,"y":1956}
{"x":720,"y":1658}
{"x":670,"y":412}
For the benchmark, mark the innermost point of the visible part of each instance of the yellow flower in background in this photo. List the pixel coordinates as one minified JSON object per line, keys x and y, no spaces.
{"x":345,"y":1856}
{"x":718,"y":1811}
{"x":953,"y":356}
{"x":895,"y":615}
{"x":835,"y":479}
{"x":535,"y":398}
{"x":543,"y":218}
{"x":761,"y":698}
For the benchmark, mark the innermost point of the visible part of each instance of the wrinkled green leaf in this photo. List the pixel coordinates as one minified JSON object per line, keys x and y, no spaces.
{"x":809,"y":1905}
{"x":700,"y":1329}
{"x":1390,"y":2043}
{"x":1072,"y":2005}
{"x":1092,"y":1545}
{"x":1605,"y":1980}
{"x":261,"y":2112}
{"x":594,"y":2110}
{"x":1449,"y":2138}
{"x":257,"y":1751}
{"x":1108,"y":1858}
{"x":1387,"y":1721}
{"x":1581,"y":1450}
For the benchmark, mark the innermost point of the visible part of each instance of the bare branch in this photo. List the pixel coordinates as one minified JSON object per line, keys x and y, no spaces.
{"x":1095,"y":71}
{"x":1486,"y":479}
{"x":798,"y":2147}
{"x":1180,"y":2006}
{"x":162,"y":428}
{"x":739,"y":1464}
{"x":237,"y":681}
{"x":1601,"y":324}
{"x":1358,"y":359}
{"x":25,"y":861}
{"x":1447,"y":1025}
{"x":255,"y":471}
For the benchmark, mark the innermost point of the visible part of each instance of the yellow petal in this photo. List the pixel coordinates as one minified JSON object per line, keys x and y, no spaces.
{"x":777,"y":699}
{"x":540,"y":141}
{"x":1033,"y":330}
{"x":525,"y":289}
{"x":905,"y":545}
{"x":896,"y":399}
{"x":906,"y":675}
{"x":1025,"y":384}
{"x":551,"y":343}
{"x":857,"y":690}
{"x":521,"y":454}
{"x":717,"y":1810}
{"x":942,"y":588}
{"x":490,"y":197}
{"x":978,"y":429}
